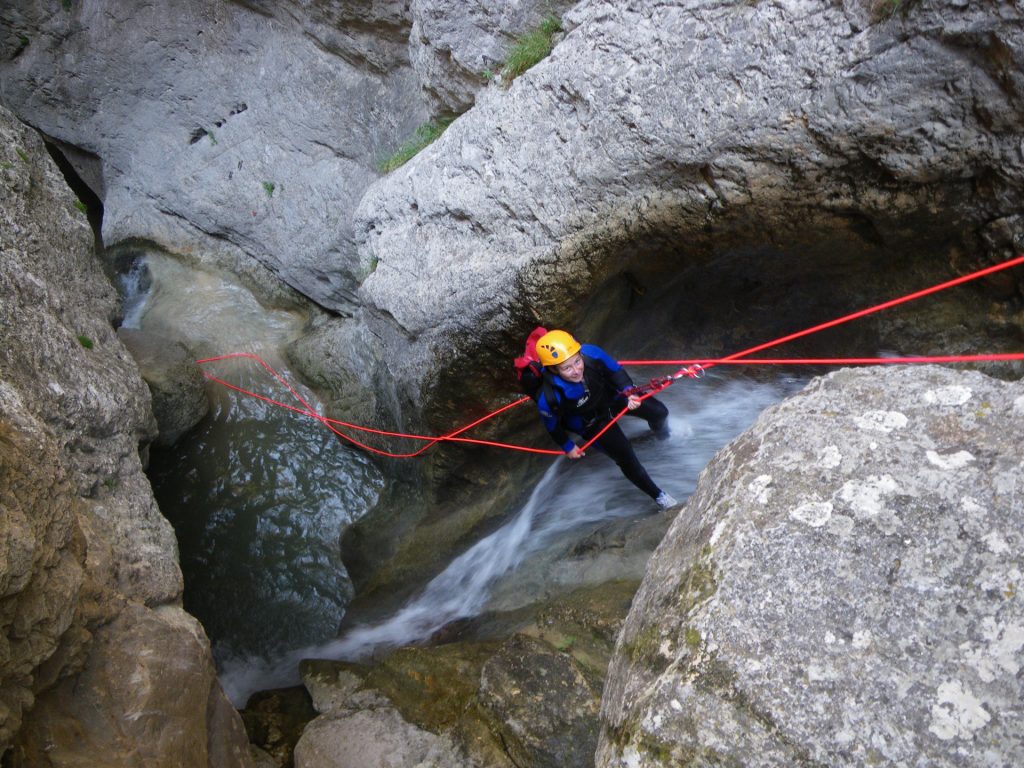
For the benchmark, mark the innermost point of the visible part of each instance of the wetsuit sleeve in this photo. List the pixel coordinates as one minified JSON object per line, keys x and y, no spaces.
{"x":553,"y":425}
{"x":620,"y":379}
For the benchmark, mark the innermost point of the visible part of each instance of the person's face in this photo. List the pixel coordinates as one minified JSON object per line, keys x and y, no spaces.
{"x":571,"y":369}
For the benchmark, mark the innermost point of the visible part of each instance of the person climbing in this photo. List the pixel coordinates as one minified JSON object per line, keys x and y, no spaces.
{"x":582,"y":388}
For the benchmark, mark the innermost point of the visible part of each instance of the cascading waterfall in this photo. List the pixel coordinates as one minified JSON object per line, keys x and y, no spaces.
{"x":258,"y":495}
{"x":569,"y":500}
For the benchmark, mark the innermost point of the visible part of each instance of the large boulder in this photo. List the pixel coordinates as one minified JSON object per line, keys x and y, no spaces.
{"x":798,"y":141}
{"x":361,"y":729}
{"x":148,"y":695}
{"x":99,"y":663}
{"x":841,"y":589}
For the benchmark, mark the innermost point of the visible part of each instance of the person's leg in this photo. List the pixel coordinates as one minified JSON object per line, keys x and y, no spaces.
{"x":654,"y":412}
{"x":616,"y":445}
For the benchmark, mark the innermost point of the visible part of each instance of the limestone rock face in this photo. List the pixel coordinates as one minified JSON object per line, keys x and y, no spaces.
{"x":841,"y":589}
{"x":455,"y":52}
{"x":658,"y":136}
{"x":221,"y":128}
{"x":42,"y":559}
{"x":175,"y":382}
{"x":97,"y":655}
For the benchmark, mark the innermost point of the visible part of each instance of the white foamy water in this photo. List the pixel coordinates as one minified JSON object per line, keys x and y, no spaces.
{"x":569,"y":497}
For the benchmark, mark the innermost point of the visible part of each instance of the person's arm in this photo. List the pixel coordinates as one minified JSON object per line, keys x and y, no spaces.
{"x":554,"y":425}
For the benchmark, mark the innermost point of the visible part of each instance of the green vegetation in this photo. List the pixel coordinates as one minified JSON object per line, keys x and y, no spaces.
{"x":530,"y":48}
{"x":692,"y":638}
{"x":85,"y":341}
{"x":881,"y":10}
{"x":645,"y":647}
{"x":697,"y":585}
{"x":565,"y":643}
{"x":22,"y":154}
{"x":662,"y":752}
{"x":81,"y":206}
{"x":425,"y":135}
{"x":269,"y":187}
{"x":212,"y":138}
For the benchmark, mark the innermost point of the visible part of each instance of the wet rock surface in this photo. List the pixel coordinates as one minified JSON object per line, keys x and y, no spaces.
{"x":274,"y":721}
{"x":175,"y":382}
{"x":514,"y":689}
{"x":841,"y":589}
{"x":359,"y":726}
{"x":545,"y":702}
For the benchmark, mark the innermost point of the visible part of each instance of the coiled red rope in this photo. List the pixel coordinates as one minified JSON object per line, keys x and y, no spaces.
{"x":690,"y":368}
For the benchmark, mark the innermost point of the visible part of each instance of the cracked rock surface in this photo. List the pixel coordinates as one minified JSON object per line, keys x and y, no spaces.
{"x":841,"y":589}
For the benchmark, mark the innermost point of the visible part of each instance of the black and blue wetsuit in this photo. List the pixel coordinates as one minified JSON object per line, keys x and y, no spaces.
{"x":585,"y":407}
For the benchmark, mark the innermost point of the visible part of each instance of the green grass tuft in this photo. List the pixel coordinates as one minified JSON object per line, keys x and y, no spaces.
{"x":530,"y":48}
{"x":269,"y":187}
{"x":426,"y":135}
{"x":85,"y":341}
{"x":81,"y":206}
{"x":881,"y":10}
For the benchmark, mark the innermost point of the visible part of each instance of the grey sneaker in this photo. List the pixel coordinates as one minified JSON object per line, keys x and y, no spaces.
{"x":665,"y":500}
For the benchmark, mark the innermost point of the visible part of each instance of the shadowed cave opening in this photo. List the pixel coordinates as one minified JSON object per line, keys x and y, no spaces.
{"x":91,"y":202}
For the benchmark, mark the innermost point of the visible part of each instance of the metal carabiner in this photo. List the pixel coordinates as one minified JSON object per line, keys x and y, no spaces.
{"x":695,"y":371}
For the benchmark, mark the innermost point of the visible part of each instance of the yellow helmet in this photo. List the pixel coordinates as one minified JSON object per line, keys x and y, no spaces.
{"x":556,"y":347}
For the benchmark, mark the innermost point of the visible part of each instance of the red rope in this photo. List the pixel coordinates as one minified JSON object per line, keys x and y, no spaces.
{"x":879,"y":307}
{"x":709,"y":362}
{"x":307,"y":410}
{"x":689,"y":369}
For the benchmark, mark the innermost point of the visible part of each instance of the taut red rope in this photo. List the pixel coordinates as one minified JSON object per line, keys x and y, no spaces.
{"x":689,"y":369}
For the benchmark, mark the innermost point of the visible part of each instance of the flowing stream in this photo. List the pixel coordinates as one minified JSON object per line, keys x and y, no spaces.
{"x":569,"y":500}
{"x":259,"y":495}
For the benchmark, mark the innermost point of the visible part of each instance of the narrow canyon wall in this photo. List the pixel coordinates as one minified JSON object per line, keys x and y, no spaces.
{"x":98,"y":656}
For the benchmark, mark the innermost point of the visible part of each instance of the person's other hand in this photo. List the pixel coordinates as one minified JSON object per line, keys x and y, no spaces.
{"x":575,"y":453}
{"x":633,"y":402}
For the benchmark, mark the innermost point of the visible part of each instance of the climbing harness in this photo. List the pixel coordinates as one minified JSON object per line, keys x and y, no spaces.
{"x":693,"y":369}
